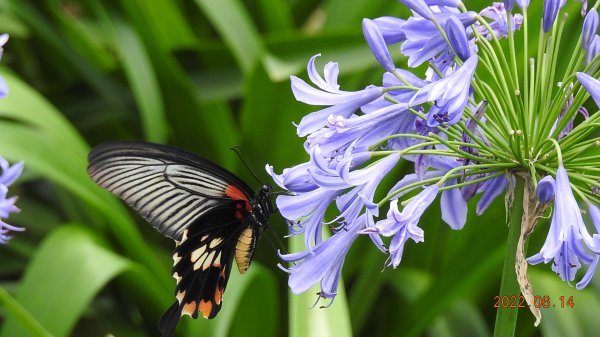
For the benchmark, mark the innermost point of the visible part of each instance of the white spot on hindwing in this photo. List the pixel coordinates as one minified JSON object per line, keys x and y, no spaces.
{"x":197,"y":253}
{"x":208,"y":261}
{"x":176,"y":277}
{"x":215,"y":242}
{"x":176,"y":259}
{"x":180,"y":295}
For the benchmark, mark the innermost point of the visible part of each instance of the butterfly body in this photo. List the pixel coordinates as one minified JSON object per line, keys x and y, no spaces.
{"x":212,"y":215}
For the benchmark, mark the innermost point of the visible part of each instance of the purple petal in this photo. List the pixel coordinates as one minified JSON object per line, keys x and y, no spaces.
{"x":590,"y":27}
{"x":492,"y":189}
{"x":522,"y":3}
{"x":458,"y":37}
{"x":590,"y":84}
{"x":377,"y":45}
{"x":454,"y":207}
{"x":420,"y":7}
{"x":391,"y":29}
{"x":551,"y":8}
{"x":352,"y":102}
{"x":545,"y":189}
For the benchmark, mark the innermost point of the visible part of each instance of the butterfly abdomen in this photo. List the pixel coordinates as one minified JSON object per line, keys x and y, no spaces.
{"x":244,"y":249}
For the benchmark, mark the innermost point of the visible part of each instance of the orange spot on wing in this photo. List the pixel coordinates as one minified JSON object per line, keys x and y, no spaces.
{"x":189,"y":308}
{"x":236,"y":194}
{"x":205,"y":308}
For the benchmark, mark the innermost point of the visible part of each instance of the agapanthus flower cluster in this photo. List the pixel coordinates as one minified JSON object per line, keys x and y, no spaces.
{"x":477,"y":121}
{"x":8,"y":175}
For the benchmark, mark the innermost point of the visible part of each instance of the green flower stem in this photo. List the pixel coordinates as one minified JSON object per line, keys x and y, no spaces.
{"x":25,"y":318}
{"x":498,"y":49}
{"x":487,"y":129}
{"x":506,"y":318}
{"x":481,"y":144}
{"x":502,"y":87}
{"x":511,"y":46}
{"x":487,"y":169}
{"x":488,"y":92}
{"x":494,"y":167}
{"x":474,"y":181}
{"x":461,"y":152}
{"x":557,"y":34}
{"x":400,"y":87}
{"x":531,"y":100}
{"x":493,"y":99}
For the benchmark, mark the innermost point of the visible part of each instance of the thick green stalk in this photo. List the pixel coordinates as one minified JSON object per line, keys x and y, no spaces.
{"x":506,"y":318}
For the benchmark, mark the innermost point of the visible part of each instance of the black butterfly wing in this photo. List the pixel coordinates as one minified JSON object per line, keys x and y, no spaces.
{"x":168,"y":187}
{"x":203,"y":260}
{"x":205,"y":208}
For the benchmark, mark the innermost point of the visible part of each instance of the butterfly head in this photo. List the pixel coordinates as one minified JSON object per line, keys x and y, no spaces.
{"x":262,"y":206}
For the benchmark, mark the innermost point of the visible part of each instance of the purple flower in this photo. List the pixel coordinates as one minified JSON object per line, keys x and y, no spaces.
{"x":377,"y":44}
{"x":354,"y":189}
{"x":585,"y":280}
{"x":458,"y":38}
{"x":391,"y":29}
{"x":454,"y":207}
{"x":545,"y":189}
{"x":423,"y":39}
{"x":403,"y":225}
{"x":450,"y":94}
{"x":420,"y":7}
{"x":3,"y":86}
{"x":508,"y":4}
{"x":9,"y":173}
{"x":323,"y":263}
{"x":551,"y":8}
{"x":592,"y":50}
{"x":490,"y":190}
{"x":590,"y":84}
{"x":567,"y":237}
{"x":522,"y":3}
{"x":497,"y":13}
{"x":590,"y":27}
{"x":296,"y":179}
{"x":342,"y":103}
{"x":7,"y":205}
{"x":569,"y":127}
{"x":344,"y":136}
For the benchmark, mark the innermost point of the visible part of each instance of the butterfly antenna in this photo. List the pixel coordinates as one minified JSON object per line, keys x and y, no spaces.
{"x":237,"y":149}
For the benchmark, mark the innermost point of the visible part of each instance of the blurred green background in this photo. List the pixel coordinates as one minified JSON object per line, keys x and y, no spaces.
{"x":206,"y":75}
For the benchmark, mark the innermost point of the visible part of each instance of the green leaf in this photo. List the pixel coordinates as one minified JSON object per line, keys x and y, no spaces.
{"x":244,"y":294}
{"x":61,"y":50}
{"x":164,"y":21}
{"x":23,"y":317}
{"x":461,"y":319}
{"x":26,"y":105}
{"x":306,"y":319}
{"x":275,"y":15}
{"x":67,"y":271}
{"x":234,"y":24}
{"x":142,"y":79}
{"x":559,"y":319}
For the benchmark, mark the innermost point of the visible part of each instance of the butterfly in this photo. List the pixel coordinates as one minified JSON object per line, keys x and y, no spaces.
{"x":212,"y":215}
